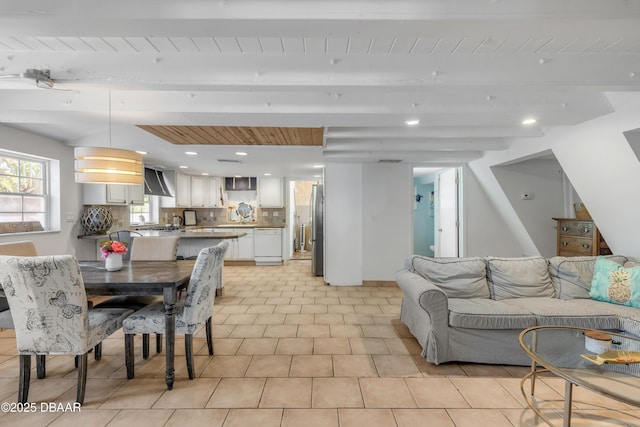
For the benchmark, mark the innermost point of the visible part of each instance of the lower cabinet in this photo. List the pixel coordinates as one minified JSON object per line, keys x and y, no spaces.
{"x":240,"y":248}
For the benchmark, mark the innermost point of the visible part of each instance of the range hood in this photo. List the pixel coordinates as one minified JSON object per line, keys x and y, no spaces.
{"x":154,"y":183}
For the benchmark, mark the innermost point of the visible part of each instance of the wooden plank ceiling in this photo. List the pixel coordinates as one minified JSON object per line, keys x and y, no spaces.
{"x":236,"y":135}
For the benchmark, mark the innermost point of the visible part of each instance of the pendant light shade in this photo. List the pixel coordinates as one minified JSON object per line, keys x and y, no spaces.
{"x":100,"y":165}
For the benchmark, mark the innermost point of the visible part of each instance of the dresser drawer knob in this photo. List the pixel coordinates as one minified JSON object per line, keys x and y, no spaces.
{"x":585,"y":246}
{"x":565,"y":228}
{"x":586,"y":230}
{"x":564,"y":243}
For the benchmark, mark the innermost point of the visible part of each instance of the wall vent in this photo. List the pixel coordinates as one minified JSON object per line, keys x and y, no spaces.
{"x":389,"y":161}
{"x":229,"y":161}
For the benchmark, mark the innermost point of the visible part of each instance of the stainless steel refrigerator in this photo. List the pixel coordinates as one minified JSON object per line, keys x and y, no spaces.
{"x":317,"y":224}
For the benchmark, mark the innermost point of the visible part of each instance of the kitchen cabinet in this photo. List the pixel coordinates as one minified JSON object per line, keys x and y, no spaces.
{"x":270,"y":192}
{"x":112,"y":194}
{"x":579,"y":237}
{"x":197,"y":191}
{"x":240,"y":248}
{"x":240,"y":183}
{"x":183,"y":190}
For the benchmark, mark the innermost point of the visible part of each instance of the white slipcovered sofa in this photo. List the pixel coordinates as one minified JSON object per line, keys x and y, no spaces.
{"x":473,"y":309}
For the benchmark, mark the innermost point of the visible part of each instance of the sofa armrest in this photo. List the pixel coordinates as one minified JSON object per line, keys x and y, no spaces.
{"x":425,"y":311}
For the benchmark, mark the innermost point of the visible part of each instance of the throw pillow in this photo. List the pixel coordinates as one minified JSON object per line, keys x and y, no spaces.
{"x":572,"y":276}
{"x":615,"y":283}
{"x":519,"y":277}
{"x":457,"y":277}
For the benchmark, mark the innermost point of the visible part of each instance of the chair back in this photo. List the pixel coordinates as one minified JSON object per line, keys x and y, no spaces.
{"x":154,"y":248}
{"x":21,"y":248}
{"x":125,"y":237}
{"x":207,"y":272}
{"x":48,"y":303}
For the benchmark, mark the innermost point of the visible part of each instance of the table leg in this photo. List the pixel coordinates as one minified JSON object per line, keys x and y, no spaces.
{"x":170,"y":297}
{"x":568,"y":397}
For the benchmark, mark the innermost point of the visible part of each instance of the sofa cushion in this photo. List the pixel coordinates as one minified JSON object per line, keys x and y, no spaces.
{"x":457,"y":277}
{"x":488,"y":314}
{"x":580,"y":313}
{"x":572,"y":276}
{"x":519,"y":277}
{"x":615,"y":283}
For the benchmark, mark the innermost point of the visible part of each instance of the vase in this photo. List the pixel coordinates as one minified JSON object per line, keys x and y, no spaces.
{"x":96,"y":220}
{"x":113,"y":262}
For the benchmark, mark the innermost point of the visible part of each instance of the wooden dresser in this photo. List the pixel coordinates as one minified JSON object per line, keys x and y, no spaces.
{"x":579,"y":237}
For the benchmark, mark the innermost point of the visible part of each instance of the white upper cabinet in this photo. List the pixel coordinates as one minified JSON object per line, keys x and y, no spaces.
{"x":197,"y":191}
{"x":183,"y":190}
{"x":112,"y":194}
{"x":270,"y":192}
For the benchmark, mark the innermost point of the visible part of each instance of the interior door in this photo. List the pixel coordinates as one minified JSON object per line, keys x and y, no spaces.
{"x":447,"y":206}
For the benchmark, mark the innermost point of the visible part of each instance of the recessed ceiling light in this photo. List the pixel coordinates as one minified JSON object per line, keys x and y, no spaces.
{"x":240,"y":153}
{"x":183,"y":167}
{"x":529,"y":121}
{"x":318,"y":166}
{"x":317,"y":176}
{"x":191,"y":153}
{"x":205,"y":173}
{"x":267,"y":174}
{"x":141,"y":152}
{"x":412,"y":122}
{"x":238,"y":176}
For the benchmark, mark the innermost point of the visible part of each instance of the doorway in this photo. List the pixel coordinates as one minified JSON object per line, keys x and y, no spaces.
{"x":300,"y":218}
{"x":447,"y":219}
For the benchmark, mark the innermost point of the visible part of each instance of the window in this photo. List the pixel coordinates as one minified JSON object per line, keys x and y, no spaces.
{"x":139,"y":214}
{"x":23,"y":190}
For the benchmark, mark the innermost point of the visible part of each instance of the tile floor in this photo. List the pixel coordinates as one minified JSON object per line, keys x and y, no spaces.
{"x":291,"y":351}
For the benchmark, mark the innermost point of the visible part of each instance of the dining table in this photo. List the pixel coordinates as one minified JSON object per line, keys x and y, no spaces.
{"x":143,"y":278}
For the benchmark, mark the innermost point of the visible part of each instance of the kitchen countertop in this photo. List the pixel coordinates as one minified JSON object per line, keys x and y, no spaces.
{"x":191,"y":234}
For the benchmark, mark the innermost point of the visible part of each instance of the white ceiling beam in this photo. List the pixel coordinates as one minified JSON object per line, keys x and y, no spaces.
{"x":398,"y":144}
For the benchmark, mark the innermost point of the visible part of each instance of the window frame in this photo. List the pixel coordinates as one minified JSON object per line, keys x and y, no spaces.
{"x":46,"y":213}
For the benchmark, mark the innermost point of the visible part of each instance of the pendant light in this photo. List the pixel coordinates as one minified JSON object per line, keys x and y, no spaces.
{"x":101,"y":165}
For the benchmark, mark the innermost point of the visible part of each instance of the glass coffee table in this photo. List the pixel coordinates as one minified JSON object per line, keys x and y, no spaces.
{"x":561,"y":351}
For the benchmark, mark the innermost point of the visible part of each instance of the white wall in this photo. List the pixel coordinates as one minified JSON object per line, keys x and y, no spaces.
{"x":343,"y":249}
{"x":65,"y":240}
{"x":387,"y":218}
{"x":600,"y":164}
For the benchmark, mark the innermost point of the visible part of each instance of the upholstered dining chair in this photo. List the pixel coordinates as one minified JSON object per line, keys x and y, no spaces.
{"x":21,"y":248}
{"x":51,"y":315}
{"x":191,"y":313}
{"x":145,"y":249}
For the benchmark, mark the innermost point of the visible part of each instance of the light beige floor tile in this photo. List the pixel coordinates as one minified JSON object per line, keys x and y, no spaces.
{"x":302,"y":301}
{"x":368,"y":346}
{"x":253,"y":417}
{"x":295,"y":346}
{"x":241,"y":319}
{"x":354,"y":366}
{"x":223,"y":347}
{"x":299,"y":319}
{"x":478,"y":417}
{"x":195,"y":395}
{"x":227,"y":366}
{"x":337,"y":393}
{"x":141,"y":418}
{"x":237,"y":393}
{"x":137,"y":394}
{"x":310,"y":418}
{"x":403,"y":346}
{"x":248,"y":331}
{"x":432,"y":370}
{"x":314,"y":331}
{"x":311,"y":366}
{"x":345,"y":331}
{"x":378,"y":331}
{"x":233,"y":309}
{"x":419,"y":417}
{"x":278,"y":301}
{"x":270,"y":319}
{"x":261,"y":309}
{"x":329,"y":319}
{"x":313,"y":308}
{"x":281,"y":331}
{"x":366,"y":417}
{"x":435,"y":393}
{"x":358,"y":319}
{"x":286,"y":393}
{"x":489,"y":371}
{"x":386,"y":393}
{"x":269,"y":366}
{"x":395,"y":366}
{"x":288,"y":309}
{"x":197,"y":418}
{"x":485,"y":393}
{"x":219,"y":330}
{"x":251,"y":346}
{"x":331,"y":346}
{"x":341,"y":309}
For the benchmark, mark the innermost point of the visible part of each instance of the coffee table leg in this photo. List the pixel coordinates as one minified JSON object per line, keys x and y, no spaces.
{"x":170,"y":334}
{"x":568,"y":397}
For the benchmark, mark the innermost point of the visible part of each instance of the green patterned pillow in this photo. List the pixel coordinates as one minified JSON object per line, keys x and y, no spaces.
{"x":615,"y":283}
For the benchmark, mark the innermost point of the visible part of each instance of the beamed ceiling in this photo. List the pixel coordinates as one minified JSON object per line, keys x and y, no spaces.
{"x":259,"y":72}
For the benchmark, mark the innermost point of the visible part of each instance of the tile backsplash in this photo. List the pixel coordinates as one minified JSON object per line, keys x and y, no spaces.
{"x":210,"y":217}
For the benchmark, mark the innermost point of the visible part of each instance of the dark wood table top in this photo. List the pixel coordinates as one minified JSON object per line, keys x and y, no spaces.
{"x":136,"y":277}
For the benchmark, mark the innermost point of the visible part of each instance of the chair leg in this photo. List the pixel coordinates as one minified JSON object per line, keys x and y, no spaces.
{"x":145,"y":346}
{"x":25,"y":378}
{"x":97,"y":351}
{"x":41,"y":365}
{"x":128,"y":355}
{"x":188,"y":349}
{"x":209,"y":337}
{"x":82,"y":376}
{"x":158,"y":343}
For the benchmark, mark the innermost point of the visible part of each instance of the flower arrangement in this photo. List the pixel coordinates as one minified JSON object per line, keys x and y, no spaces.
{"x":112,"y":246}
